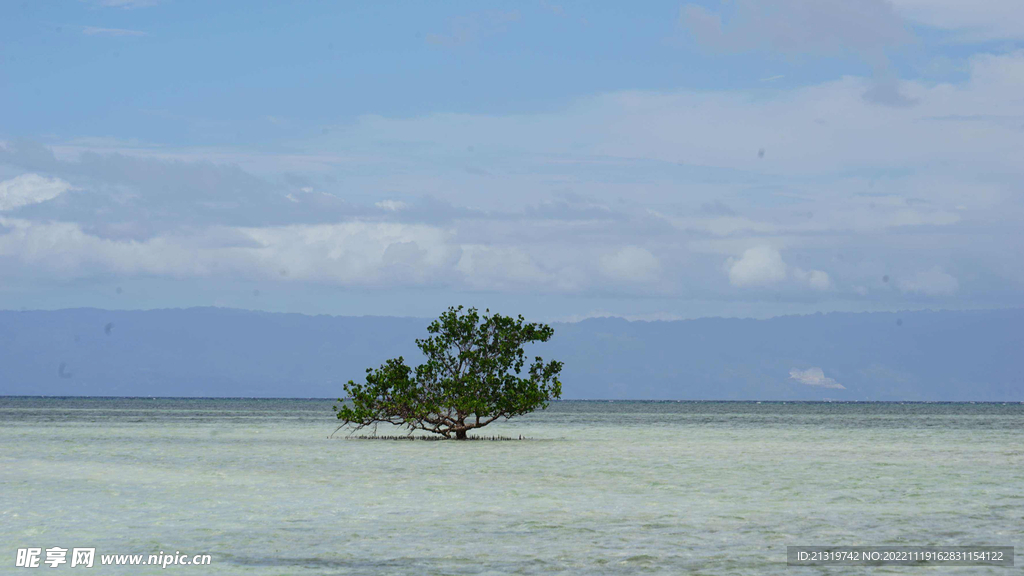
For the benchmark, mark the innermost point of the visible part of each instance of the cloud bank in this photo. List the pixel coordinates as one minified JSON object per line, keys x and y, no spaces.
{"x":799,"y":191}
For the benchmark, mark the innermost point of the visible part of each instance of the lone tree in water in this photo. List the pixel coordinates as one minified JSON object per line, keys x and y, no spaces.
{"x":473,"y":376}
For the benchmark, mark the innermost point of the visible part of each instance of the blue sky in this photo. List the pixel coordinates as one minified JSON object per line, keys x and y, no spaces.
{"x":565,"y":160}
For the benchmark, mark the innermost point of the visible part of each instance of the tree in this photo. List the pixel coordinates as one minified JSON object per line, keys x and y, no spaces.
{"x":473,"y":375}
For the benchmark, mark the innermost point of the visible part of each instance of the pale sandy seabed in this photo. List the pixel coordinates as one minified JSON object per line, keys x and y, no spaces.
{"x":598,"y":488}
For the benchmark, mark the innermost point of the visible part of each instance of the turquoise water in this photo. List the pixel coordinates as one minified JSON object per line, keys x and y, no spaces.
{"x":596,"y":488}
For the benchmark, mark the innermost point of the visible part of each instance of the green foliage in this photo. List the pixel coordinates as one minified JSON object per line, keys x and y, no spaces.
{"x":474,"y":375}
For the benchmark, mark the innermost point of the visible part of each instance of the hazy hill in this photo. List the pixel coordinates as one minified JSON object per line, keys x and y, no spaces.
{"x":973,"y":355}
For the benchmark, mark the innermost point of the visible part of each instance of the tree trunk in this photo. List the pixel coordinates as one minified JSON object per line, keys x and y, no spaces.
{"x":460,"y":434}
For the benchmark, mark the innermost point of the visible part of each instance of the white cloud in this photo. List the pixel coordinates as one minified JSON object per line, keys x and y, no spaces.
{"x":630,"y":264}
{"x":392,"y":205}
{"x":352,"y":253}
{"x":816,"y":279}
{"x":502,"y":268}
{"x":814,"y":377}
{"x":345,"y":254}
{"x":30,"y":189}
{"x":933,"y":282}
{"x":763,"y":266}
{"x":759,"y":266}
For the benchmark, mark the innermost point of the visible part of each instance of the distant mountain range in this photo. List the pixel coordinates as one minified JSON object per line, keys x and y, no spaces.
{"x":909,"y":356}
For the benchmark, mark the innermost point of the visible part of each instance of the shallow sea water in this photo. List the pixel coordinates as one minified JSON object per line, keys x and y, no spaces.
{"x":596,"y":488}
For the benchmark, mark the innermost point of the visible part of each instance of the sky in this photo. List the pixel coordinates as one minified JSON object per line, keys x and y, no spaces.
{"x":660,"y":160}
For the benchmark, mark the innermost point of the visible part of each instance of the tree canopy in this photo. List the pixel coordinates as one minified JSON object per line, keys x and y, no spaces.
{"x":473,"y":375}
